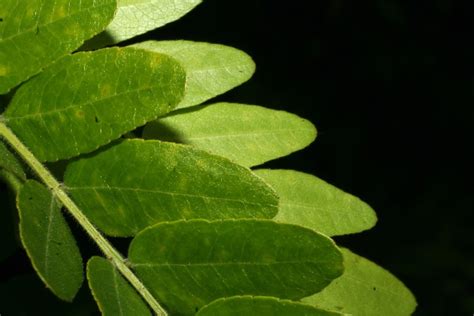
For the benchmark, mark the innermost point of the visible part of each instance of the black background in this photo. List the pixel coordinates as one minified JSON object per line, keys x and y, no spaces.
{"x":389,"y":85}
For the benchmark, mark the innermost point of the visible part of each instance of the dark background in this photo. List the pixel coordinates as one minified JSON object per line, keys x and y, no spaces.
{"x":389,"y":85}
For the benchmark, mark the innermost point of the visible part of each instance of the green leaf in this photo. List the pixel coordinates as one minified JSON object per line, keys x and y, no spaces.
{"x":261,"y":306}
{"x":35,"y":33}
{"x":135,"y":17}
{"x":195,"y":262}
{"x":88,"y":99}
{"x":10,"y":163}
{"x":137,"y":183}
{"x":112,"y":292}
{"x":246,"y":134}
{"x":48,"y":241}
{"x":211,"y":69}
{"x":365,"y":289}
{"x":311,"y":202}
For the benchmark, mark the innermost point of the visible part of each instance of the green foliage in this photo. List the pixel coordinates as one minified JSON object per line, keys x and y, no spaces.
{"x":248,"y":135}
{"x":201,"y":261}
{"x":210,"y":235}
{"x":260,"y":305}
{"x":111,"y":291}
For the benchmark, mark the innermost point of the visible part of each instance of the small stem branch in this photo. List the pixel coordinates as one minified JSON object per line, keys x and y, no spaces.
{"x":109,"y":251}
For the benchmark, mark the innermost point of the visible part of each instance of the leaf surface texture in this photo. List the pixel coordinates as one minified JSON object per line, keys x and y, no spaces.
{"x":365,"y":289}
{"x":34,"y":33}
{"x":211,"y":69}
{"x":246,"y":134}
{"x":136,"y":183}
{"x":195,"y":262}
{"x":311,"y":202}
{"x":113,"y":294}
{"x":48,"y":241}
{"x":260,"y":305}
{"x":88,"y":99}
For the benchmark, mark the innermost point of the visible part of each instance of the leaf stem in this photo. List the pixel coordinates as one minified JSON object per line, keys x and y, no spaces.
{"x":109,"y":251}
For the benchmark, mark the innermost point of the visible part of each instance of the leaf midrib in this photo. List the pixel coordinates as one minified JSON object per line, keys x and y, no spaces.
{"x":110,"y":188}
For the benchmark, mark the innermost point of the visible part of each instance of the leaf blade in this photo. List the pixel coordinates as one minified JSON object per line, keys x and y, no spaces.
{"x":29,"y":33}
{"x":246,"y":134}
{"x":10,"y":163}
{"x":200,"y":261}
{"x":365,"y":289}
{"x":111,"y":292}
{"x":313,"y":203}
{"x":135,"y":17}
{"x":73,"y":115}
{"x":119,"y":192}
{"x":211,"y":69}
{"x":260,"y":305}
{"x":48,"y":241}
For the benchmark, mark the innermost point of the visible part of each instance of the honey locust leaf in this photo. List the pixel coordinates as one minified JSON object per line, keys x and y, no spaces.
{"x":195,"y":262}
{"x":135,"y":17}
{"x":211,"y":69}
{"x":113,"y":294}
{"x":246,"y":134}
{"x":88,"y":99}
{"x":35,"y":33}
{"x":10,"y":163}
{"x":137,"y":183}
{"x":260,"y":305}
{"x":311,"y":202}
{"x":48,"y":241}
{"x":365,"y":289}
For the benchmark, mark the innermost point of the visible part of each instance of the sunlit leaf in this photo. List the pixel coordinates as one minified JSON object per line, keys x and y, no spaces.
{"x":246,"y":134}
{"x":48,"y":241}
{"x":114,"y":295}
{"x":211,"y":69}
{"x":34,"y":33}
{"x":261,"y":306}
{"x":135,"y":17}
{"x":365,"y":289}
{"x":88,"y":99}
{"x":137,"y":183}
{"x":311,"y":202}
{"x":195,"y":262}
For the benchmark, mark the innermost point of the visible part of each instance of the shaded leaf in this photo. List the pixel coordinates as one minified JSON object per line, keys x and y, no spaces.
{"x":10,"y":163}
{"x":137,"y":183}
{"x":48,"y":241}
{"x":195,"y":262}
{"x":311,"y":202}
{"x":86,"y":100}
{"x":211,"y":69}
{"x":365,"y":289}
{"x":35,"y":33}
{"x":260,"y":305}
{"x":246,"y":134}
{"x":114,"y":295}
{"x":135,"y":17}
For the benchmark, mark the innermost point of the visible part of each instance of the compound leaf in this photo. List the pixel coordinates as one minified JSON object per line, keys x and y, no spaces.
{"x":113,"y":294}
{"x":365,"y":289}
{"x":211,"y":69}
{"x":246,"y":134}
{"x":137,"y":183}
{"x":48,"y":241}
{"x":195,"y":262}
{"x":135,"y":17}
{"x":311,"y":202}
{"x":35,"y":33}
{"x":10,"y":163}
{"x":260,"y":305}
{"x":88,"y":99}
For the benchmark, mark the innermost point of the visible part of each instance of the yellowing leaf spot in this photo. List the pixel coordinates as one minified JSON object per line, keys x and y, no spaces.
{"x":4,"y":70}
{"x":105,"y":90}
{"x":155,"y":61}
{"x":60,"y":12}
{"x":80,"y":114}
